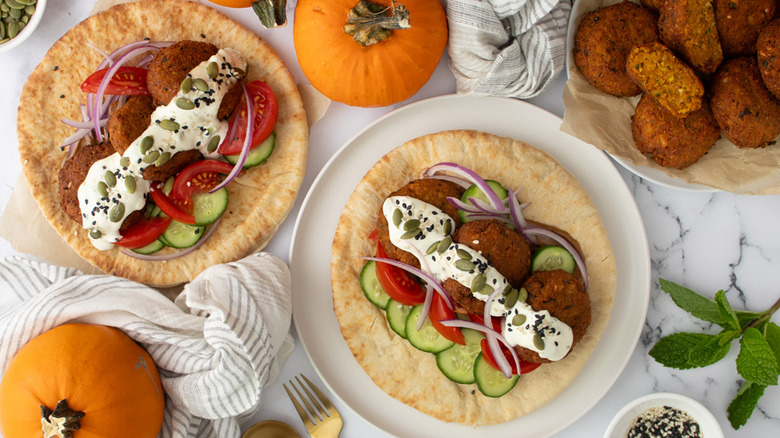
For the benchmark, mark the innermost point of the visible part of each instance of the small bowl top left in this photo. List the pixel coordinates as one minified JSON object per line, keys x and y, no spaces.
{"x":28,"y":29}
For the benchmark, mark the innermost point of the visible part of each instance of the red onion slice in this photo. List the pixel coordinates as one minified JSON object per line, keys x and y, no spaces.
{"x":177,"y":254}
{"x":453,"y":179}
{"x":541,"y":231}
{"x":469,"y":175}
{"x":426,"y":306}
{"x":412,"y":270}
{"x":479,"y":217}
{"x":492,"y":336}
{"x":250,"y":128}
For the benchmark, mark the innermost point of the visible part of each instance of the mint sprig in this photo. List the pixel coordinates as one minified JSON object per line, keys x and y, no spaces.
{"x":758,"y":361}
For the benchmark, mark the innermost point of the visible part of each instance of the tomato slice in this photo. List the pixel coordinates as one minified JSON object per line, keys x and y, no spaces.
{"x":438,"y":312}
{"x":495,"y":322}
{"x":199,"y":177}
{"x":171,"y":207}
{"x":144,"y":232}
{"x":266,"y":112}
{"x":127,"y":81}
{"x":525,"y":366}
{"x":401,"y":286}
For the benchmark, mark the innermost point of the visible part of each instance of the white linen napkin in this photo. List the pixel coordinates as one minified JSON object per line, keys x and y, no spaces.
{"x":510,"y":48}
{"x":216,"y":346}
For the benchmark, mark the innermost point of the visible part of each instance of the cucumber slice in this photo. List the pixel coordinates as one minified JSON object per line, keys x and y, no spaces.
{"x":490,"y":381}
{"x":427,"y":338}
{"x":476,"y":192}
{"x":550,"y":258}
{"x":397,"y":314}
{"x":150,"y":248}
{"x":208,"y":207}
{"x":371,"y":287}
{"x":179,"y":235}
{"x":258,"y":155}
{"x":457,"y":363}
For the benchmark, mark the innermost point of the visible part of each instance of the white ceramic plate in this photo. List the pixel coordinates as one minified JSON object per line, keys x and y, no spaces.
{"x":580,"y":8}
{"x":622,"y":421}
{"x":310,"y":252}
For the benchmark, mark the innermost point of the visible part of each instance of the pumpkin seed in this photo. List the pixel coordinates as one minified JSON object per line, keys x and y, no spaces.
{"x":522,"y":295}
{"x":147,"y":143}
{"x":2,"y":29}
{"x":212,"y":69}
{"x":462,"y":253}
{"x":538,"y":342}
{"x":478,"y":282}
{"x":200,"y":84}
{"x":151,"y":157}
{"x":13,"y":29}
{"x":464,"y":265}
{"x":4,"y":40}
{"x":27,"y":2}
{"x":506,"y":290}
{"x":164,"y":157}
{"x":110,"y":178}
{"x":124,"y":161}
{"x":29,"y":9}
{"x":519,"y":319}
{"x":25,"y":19}
{"x":185,"y":103}
{"x":486,"y":289}
{"x":432,"y":248}
{"x":95,"y":234}
{"x":14,"y":4}
{"x":4,"y":7}
{"x":130,"y":184}
{"x":213,"y":143}
{"x":444,"y":244}
{"x":16,"y":13}
{"x":411,"y":225}
{"x":169,"y":125}
{"x":186,"y":85}
{"x":511,"y":299}
{"x":117,"y":212}
{"x":102,"y":188}
{"x":448,"y":227}
{"x":411,"y":233}
{"x":397,"y":216}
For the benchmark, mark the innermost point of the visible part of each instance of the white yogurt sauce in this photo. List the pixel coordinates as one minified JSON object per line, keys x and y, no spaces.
{"x":196,"y":128}
{"x":434,"y":226}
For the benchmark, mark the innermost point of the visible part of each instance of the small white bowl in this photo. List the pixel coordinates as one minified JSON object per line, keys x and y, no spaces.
{"x":621,"y":422}
{"x":28,"y":30}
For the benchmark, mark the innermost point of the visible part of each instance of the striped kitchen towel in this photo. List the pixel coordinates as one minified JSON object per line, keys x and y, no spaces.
{"x":216,"y":346}
{"x":510,"y":48}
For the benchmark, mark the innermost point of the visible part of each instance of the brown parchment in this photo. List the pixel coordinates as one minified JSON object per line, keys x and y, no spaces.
{"x":604,"y":121}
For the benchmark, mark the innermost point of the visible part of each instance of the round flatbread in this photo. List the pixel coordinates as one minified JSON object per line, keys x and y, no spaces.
{"x":410,"y":375}
{"x":259,"y":200}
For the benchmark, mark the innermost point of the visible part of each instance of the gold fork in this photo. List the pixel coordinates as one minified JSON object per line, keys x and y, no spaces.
{"x":322,"y":420}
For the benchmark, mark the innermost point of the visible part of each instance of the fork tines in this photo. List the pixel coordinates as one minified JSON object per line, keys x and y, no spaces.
{"x":317,"y":407}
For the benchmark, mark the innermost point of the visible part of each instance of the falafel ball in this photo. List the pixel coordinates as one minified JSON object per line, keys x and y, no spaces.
{"x":564,"y":296}
{"x":746,"y":111}
{"x":688,"y":28}
{"x":671,"y":141}
{"x":652,"y":4}
{"x":768,"y":49}
{"x":129,"y":121}
{"x":739,"y":23}
{"x":430,"y":190}
{"x":176,"y":163}
{"x":73,"y":173}
{"x":603,"y":40}
{"x":170,"y":66}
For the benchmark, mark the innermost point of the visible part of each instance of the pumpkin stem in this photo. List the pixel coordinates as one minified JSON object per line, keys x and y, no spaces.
{"x":61,"y":422}
{"x":369,"y":23}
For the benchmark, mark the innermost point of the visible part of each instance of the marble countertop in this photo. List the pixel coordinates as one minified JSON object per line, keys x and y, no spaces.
{"x":706,"y":241}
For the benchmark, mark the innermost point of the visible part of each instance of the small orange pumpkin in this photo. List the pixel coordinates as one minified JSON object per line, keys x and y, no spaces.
{"x":373,"y":53}
{"x":85,"y":381}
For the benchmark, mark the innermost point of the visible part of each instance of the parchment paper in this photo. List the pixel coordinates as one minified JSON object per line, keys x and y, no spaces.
{"x":27,"y":230}
{"x":604,"y":121}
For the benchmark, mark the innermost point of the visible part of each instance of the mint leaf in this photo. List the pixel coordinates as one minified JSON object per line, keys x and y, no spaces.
{"x":710,"y":351}
{"x":756,"y":360}
{"x":690,"y":301}
{"x":773,"y":338}
{"x":673,"y":350}
{"x":741,"y":408}
{"x":746,"y":318}
{"x":726,"y":311}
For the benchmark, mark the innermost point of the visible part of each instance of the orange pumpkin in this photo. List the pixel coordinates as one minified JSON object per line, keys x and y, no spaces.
{"x":364,"y":54}
{"x":91,"y":375}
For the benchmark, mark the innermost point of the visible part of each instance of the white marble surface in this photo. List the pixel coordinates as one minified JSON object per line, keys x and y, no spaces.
{"x":706,"y":241}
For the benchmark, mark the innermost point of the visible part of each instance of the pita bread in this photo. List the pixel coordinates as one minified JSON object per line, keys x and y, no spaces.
{"x":259,"y":201}
{"x":411,"y":376}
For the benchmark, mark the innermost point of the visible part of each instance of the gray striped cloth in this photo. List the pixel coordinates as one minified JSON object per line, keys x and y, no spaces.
{"x":510,"y":48}
{"x":216,"y":346}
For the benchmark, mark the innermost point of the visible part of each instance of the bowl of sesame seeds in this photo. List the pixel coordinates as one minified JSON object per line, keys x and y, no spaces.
{"x":664,"y":415}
